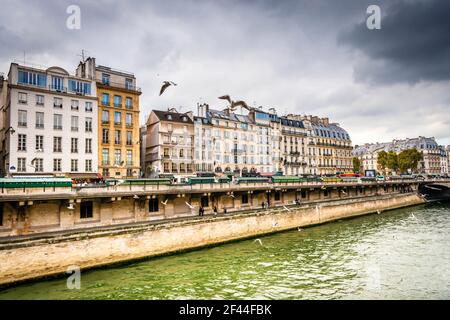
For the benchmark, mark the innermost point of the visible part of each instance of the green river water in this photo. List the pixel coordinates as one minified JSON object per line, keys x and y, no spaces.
{"x":401,"y":254}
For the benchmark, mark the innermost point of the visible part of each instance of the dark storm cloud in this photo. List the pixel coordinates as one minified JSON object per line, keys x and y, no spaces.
{"x":271,"y":53}
{"x":412,"y":45}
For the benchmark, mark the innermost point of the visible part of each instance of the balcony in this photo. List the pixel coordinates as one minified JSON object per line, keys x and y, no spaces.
{"x":291,"y":132}
{"x":106,"y":122}
{"x":57,"y":88}
{"x":294,"y":153}
{"x":120,"y":85}
{"x":57,"y":105}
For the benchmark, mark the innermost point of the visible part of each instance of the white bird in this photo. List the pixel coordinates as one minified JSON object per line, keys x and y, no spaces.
{"x":299,"y":229}
{"x":135,"y":196}
{"x":231,"y":195}
{"x":189,"y":205}
{"x":70,"y":206}
{"x":165,"y":202}
{"x":286,"y":208}
{"x":323,"y":187}
{"x":343,"y":192}
{"x":378,"y":212}
{"x":258,"y":240}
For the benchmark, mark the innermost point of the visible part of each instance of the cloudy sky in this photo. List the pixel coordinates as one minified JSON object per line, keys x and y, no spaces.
{"x":300,"y":56}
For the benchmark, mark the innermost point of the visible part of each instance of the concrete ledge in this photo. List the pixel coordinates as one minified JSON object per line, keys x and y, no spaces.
{"x":38,"y":256}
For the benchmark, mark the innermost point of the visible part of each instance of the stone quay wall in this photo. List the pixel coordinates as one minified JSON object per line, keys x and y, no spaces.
{"x":31,"y":257}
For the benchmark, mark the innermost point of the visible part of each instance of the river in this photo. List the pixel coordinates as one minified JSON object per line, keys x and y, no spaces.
{"x":401,"y":254}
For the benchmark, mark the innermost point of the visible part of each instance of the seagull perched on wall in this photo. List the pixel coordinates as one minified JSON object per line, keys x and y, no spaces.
{"x":165,"y":202}
{"x":165,"y":85}
{"x":343,"y":192}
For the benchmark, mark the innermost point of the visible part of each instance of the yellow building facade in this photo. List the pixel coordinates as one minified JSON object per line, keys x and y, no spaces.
{"x":118,"y":117}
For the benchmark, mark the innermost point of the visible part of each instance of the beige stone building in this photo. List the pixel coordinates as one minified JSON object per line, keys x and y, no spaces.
{"x":170,"y":144}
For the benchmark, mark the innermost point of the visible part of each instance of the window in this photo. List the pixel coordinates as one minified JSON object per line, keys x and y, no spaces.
{"x":74,"y":165}
{"x":129,"y":84}
{"x":117,"y":116}
{"x":105,"y":172}
{"x":117,"y":101}
{"x":21,"y":164}
{"x":88,"y":165}
{"x":129,"y":103}
{"x":86,"y":210}
{"x":22,"y":118}
{"x":244,"y":199}
{"x":88,"y":146}
{"x":88,"y":124}
{"x":105,"y":117}
{"x":153,"y":205}
{"x":74,"y":145}
{"x":129,"y":138}
{"x":38,"y":165}
{"x":74,"y":123}
{"x":57,"y":83}
{"x":57,"y":165}
{"x":129,"y":172}
{"x":88,"y":106}
{"x":105,"y":99}
{"x":74,"y":105}
{"x":117,"y":157}
{"x":79,"y":87}
{"x":129,"y":120}
{"x":117,"y":137}
{"x":105,"y":78}
{"x":105,"y":157}
{"x":39,"y":120}
{"x":57,"y":103}
{"x":39,"y":100}
{"x":105,"y":135}
{"x":32,"y":78}
{"x":57,"y":121}
{"x":57,"y":144}
{"x":129,"y":157}
{"x":40,"y":143}
{"x":22,"y":142}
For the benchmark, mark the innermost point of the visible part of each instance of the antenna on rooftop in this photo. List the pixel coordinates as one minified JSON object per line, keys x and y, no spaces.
{"x":82,"y":55}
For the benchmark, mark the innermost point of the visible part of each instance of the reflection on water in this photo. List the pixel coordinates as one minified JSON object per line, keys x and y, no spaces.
{"x":401,"y":254}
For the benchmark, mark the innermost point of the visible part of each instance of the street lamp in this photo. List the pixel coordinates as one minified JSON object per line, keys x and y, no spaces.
{"x":10,"y":129}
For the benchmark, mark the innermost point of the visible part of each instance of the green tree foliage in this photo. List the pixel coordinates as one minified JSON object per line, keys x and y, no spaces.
{"x":409,"y":159}
{"x":356,"y":165}
{"x":382,"y":160}
{"x":392,"y":161}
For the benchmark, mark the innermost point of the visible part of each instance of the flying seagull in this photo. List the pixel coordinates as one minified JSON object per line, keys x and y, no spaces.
{"x":258,"y":240}
{"x":189,"y":205}
{"x":165,"y":202}
{"x":226,"y":97}
{"x":286,"y":208}
{"x":239,"y":103}
{"x":165,"y":85}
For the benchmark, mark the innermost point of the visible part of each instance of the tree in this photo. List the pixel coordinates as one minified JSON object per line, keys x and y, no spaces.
{"x":392,"y":161}
{"x":409,"y":159}
{"x":382,"y":160}
{"x":356,"y":165}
